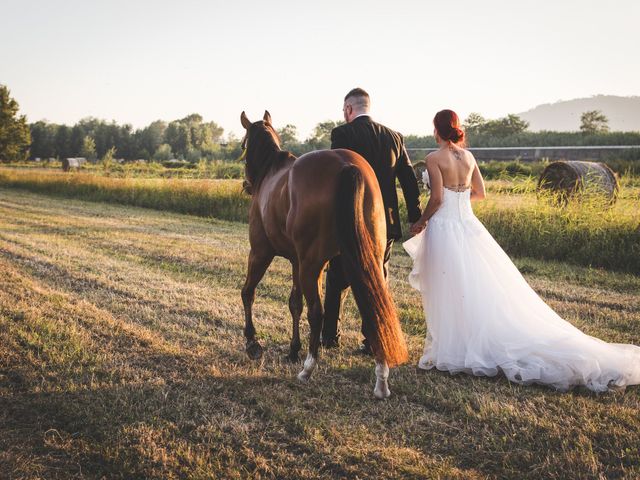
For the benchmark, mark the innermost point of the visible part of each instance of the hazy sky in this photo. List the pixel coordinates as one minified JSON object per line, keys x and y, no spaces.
{"x":137,"y":61}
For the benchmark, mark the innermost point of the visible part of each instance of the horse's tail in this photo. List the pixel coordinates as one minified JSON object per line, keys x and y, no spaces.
{"x":364,"y":272}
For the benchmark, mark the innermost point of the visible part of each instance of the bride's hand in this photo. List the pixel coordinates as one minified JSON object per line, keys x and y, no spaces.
{"x":417,"y":227}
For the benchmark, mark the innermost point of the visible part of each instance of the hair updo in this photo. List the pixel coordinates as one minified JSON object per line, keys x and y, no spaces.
{"x":447,"y":125}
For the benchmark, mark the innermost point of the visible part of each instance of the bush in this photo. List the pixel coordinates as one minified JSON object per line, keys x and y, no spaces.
{"x":499,"y":170}
{"x":178,"y":164}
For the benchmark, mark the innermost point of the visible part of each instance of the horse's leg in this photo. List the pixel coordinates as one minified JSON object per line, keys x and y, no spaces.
{"x":295,"y":307}
{"x":381,"y":391}
{"x":258,"y":264}
{"x":310,"y":284}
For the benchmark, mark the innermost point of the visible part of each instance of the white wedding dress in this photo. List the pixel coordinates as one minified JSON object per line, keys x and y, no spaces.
{"x":483,"y":317}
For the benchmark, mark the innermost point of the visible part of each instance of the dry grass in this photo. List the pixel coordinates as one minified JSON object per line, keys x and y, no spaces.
{"x":216,"y":198}
{"x":121,"y":356}
{"x":584,"y":233}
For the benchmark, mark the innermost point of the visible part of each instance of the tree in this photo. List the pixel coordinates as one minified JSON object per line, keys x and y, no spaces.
{"x":149,"y":138}
{"x":15,"y":136}
{"x":288,"y":137}
{"x":163,"y":152}
{"x":107,"y":159}
{"x":476,"y":124}
{"x":321,"y":137}
{"x":511,"y":125}
{"x":43,"y":140}
{"x":88,"y":148}
{"x":190,"y":134}
{"x":473,"y":123}
{"x":594,"y":121}
{"x":63,"y":142}
{"x":76,"y":140}
{"x":178,"y":136}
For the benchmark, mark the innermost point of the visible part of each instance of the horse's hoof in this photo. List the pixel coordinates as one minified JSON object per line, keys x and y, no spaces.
{"x":309,"y":366}
{"x":292,"y":358}
{"x":254,"y":350}
{"x":381,"y":393}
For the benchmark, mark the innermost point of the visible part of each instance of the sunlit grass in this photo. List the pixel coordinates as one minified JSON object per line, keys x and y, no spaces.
{"x":209,"y":198}
{"x":587,"y":231}
{"x":121,"y":356}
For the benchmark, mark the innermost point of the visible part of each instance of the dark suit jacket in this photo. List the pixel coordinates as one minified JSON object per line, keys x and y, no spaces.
{"x":384,"y":150}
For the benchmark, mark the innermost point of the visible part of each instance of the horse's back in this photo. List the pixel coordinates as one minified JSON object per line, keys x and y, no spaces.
{"x":313,"y":185}
{"x":318,"y":171}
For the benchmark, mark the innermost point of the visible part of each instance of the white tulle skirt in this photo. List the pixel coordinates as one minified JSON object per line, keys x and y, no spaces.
{"x":483,"y":317}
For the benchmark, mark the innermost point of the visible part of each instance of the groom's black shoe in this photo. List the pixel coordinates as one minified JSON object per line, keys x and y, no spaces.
{"x":364,"y":349}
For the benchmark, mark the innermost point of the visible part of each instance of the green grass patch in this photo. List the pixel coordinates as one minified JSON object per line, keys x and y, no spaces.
{"x":208,"y":198}
{"x":584,"y":232}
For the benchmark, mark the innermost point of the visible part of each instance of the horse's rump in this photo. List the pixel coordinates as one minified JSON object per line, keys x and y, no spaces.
{"x":336,"y":206}
{"x":313,"y":189}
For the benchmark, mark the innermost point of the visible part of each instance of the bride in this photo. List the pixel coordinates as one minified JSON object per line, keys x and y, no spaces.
{"x":482,"y":316}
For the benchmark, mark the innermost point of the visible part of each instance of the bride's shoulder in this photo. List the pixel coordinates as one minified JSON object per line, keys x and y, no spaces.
{"x":436,"y":158}
{"x":469,"y":154}
{"x":433,"y":156}
{"x":433,"y":161}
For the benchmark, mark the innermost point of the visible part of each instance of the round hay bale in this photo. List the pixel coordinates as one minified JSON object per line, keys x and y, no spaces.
{"x":566,"y":179}
{"x":72,"y":163}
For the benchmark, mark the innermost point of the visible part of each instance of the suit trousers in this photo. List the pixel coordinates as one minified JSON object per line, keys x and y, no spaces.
{"x":335,"y":293}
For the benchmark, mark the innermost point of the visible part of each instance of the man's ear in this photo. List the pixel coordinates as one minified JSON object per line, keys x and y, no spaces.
{"x":246,"y":123}
{"x":267,"y":117}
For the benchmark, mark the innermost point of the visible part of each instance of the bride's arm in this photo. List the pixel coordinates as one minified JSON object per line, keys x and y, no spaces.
{"x":477,"y":183}
{"x":435,"y":199}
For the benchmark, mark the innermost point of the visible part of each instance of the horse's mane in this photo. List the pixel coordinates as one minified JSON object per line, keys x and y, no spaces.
{"x":263,"y":152}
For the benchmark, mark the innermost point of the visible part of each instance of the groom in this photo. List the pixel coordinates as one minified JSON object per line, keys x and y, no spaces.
{"x":384,"y":149}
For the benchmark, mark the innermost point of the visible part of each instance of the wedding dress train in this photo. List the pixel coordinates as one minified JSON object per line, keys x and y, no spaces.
{"x":483,"y":317}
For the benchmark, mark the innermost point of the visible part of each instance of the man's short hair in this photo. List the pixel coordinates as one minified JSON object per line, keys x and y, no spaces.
{"x":360,"y":97}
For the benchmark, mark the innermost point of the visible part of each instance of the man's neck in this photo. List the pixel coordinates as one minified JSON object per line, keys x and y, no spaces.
{"x":363,"y":114}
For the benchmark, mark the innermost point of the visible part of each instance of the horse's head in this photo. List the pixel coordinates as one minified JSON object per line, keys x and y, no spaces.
{"x":258,"y":145}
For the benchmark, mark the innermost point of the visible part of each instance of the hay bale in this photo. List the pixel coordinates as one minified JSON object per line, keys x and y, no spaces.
{"x":567,"y":179}
{"x":72,"y":163}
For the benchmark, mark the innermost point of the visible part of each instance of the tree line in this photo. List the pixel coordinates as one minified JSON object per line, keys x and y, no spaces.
{"x":188,"y":138}
{"x":192,"y":139}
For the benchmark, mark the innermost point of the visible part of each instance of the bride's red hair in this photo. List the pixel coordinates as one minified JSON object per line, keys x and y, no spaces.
{"x":447,"y":125}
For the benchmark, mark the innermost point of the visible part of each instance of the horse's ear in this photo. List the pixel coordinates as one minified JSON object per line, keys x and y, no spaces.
{"x":246,"y":123}
{"x":267,"y":117}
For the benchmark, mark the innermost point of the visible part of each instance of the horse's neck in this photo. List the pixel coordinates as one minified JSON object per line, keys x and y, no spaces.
{"x":277,"y":168}
{"x":272,"y":200}
{"x":279,"y":162}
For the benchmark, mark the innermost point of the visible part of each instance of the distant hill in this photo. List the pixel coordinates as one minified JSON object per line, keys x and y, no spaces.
{"x":623,"y":113}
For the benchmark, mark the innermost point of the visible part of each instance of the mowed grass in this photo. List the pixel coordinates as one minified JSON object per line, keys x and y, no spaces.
{"x":121,"y":356}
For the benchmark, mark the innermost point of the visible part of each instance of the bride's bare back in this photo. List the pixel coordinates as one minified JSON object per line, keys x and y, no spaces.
{"x":450,"y":167}
{"x":453,"y":168}
{"x":456,"y":167}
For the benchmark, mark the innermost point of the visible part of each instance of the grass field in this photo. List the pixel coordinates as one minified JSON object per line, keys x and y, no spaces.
{"x":584,"y":233}
{"x":121,"y":356}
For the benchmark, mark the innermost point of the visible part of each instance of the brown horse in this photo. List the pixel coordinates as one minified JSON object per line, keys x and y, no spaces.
{"x":309,"y":210}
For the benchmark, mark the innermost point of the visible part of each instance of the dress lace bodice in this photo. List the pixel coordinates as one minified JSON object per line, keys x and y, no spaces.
{"x":456,"y":205}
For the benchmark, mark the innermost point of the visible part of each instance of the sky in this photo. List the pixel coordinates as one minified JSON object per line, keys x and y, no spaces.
{"x":137,"y":61}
